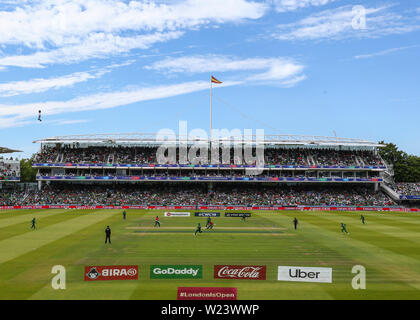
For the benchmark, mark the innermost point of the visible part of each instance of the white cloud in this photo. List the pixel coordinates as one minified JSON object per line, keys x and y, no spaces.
{"x":263,"y":69}
{"x":19,"y":115}
{"x":65,"y":31}
{"x":281,"y":71}
{"x":291,"y":5}
{"x":338,"y":24}
{"x":383,"y":52}
{"x":41,"y":85}
{"x":61,"y":122}
{"x":96,"y":46}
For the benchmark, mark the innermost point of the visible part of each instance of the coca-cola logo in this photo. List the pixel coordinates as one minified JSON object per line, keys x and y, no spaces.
{"x":240,"y":272}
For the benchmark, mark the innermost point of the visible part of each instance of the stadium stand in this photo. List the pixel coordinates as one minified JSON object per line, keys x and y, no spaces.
{"x":9,"y":170}
{"x":197,"y":194}
{"x":123,"y":169}
{"x":147,"y":155}
{"x":407,"y":189}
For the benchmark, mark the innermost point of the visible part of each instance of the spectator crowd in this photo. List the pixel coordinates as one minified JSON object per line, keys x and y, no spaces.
{"x":9,"y":168}
{"x":182,"y":194}
{"x":147,"y":155}
{"x":407,"y":189}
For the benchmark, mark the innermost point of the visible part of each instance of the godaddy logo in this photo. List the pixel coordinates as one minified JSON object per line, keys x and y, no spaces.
{"x":176,"y":272}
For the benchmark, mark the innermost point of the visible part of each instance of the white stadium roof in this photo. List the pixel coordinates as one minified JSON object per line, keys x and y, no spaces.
{"x":150,"y":139}
{"x":7,"y":150}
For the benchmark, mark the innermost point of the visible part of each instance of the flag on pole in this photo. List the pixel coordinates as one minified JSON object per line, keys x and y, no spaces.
{"x":214,"y":80}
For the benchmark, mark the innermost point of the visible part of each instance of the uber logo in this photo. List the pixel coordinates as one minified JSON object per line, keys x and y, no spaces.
{"x":305,"y":274}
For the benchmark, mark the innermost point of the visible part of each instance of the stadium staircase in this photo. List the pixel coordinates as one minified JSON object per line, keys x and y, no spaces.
{"x":388,"y":178}
{"x":310,"y":160}
{"x":25,"y":196}
{"x":391,"y":193}
{"x":359,"y":161}
{"x":59,"y":158}
{"x":111,"y":158}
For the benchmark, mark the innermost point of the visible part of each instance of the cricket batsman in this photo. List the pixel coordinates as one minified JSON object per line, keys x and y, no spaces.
{"x":208,"y":222}
{"x":210,"y":225}
{"x":157,"y":223}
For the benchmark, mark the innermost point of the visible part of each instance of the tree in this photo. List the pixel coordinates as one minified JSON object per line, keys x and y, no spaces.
{"x":391,"y":154}
{"x":406,"y":167}
{"x":27,"y":173}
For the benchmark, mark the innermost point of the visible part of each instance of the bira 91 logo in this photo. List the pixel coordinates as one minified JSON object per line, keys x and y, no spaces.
{"x":240,"y":272}
{"x":96,"y":273}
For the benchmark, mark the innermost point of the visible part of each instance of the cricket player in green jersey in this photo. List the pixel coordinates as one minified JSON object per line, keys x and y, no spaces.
{"x":198,"y":229}
{"x":243,"y":217}
{"x":343,"y":228}
{"x":124,"y":215}
{"x":33,"y":226}
{"x":363,"y":219}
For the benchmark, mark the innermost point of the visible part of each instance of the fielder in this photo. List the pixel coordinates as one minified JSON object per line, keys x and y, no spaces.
{"x":33,"y":226}
{"x":344,"y":229}
{"x":198,"y":229}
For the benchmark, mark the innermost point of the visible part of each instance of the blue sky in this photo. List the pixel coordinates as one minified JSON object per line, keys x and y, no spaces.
{"x":291,"y":66}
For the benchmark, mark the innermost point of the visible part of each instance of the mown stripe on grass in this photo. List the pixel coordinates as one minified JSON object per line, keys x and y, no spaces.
{"x":24,"y":227}
{"x":7,"y":214}
{"x":396,"y":266}
{"x":85,"y":247}
{"x":393,"y":238}
{"x":22,"y":244}
{"x":20,"y":278}
{"x":387,"y":271}
{"x":210,"y":232}
{"x":412,"y":219}
{"x":4,"y":214}
{"x":19,"y":218}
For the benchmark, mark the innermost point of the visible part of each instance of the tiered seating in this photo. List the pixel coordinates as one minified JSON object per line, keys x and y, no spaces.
{"x":246,"y":195}
{"x":147,"y":155}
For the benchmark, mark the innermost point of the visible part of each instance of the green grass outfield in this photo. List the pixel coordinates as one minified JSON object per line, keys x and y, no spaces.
{"x":388,"y":246}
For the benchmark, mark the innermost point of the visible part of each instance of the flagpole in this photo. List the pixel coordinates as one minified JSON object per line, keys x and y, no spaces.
{"x":211,"y":108}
